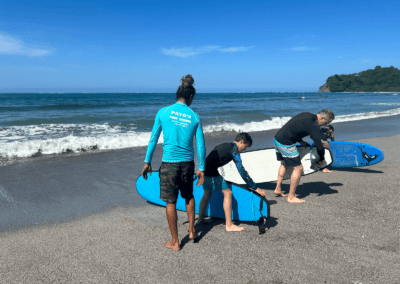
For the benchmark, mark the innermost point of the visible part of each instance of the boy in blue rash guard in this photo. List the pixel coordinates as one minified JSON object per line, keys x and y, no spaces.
{"x":179,"y":125}
{"x":213,"y":181}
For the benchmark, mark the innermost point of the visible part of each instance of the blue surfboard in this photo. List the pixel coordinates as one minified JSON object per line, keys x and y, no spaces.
{"x":354,"y":154}
{"x":246,"y":206}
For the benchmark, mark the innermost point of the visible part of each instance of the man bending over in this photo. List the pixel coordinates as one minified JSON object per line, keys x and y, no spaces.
{"x":285,"y":139}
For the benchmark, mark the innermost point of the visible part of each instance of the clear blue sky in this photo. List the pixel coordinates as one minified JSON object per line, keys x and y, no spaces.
{"x":60,"y":45}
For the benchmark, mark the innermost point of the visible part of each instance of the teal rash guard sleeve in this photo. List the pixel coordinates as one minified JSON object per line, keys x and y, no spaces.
{"x":179,"y":124}
{"x":243,"y":173}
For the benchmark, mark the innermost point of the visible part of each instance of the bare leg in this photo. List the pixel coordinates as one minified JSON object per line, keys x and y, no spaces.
{"x":190,"y":213}
{"x":173,"y":228}
{"x":295,"y":179}
{"x":203,"y":205}
{"x":281,"y":174}
{"x":326,"y":145}
{"x":230,"y":227}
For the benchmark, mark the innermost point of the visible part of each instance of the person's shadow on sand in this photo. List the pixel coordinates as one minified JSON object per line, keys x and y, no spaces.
{"x":208,"y":224}
{"x":357,"y":170}
{"x":318,"y":187}
{"x":205,"y":227}
{"x":303,"y":190}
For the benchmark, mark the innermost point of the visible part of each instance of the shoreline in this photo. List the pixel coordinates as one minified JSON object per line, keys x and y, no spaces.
{"x":346,"y":232}
{"x":344,"y":130}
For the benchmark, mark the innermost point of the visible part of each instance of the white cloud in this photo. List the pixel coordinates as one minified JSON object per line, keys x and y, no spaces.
{"x":192,"y":51}
{"x":301,"y":37}
{"x":365,"y":60}
{"x":236,"y":49}
{"x":301,"y":48}
{"x":10,"y":45}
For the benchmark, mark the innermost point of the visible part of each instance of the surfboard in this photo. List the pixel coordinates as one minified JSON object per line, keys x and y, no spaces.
{"x":354,"y":154}
{"x":263,"y":166}
{"x":246,"y":206}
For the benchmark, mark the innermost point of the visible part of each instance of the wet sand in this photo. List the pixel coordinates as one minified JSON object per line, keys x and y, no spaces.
{"x":346,"y":232}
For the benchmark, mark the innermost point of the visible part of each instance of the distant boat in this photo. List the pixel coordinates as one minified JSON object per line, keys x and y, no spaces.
{"x":303,"y":98}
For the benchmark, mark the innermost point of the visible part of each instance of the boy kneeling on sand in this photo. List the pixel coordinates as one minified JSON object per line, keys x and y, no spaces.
{"x":213,"y":181}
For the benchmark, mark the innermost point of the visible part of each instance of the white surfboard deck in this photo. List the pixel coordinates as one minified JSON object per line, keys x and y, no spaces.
{"x":262,"y":165}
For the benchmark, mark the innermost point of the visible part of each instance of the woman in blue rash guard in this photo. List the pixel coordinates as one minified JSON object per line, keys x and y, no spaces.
{"x":213,"y":181}
{"x":179,"y":125}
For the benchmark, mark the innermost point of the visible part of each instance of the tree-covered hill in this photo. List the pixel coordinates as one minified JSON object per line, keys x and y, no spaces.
{"x":372,"y":80}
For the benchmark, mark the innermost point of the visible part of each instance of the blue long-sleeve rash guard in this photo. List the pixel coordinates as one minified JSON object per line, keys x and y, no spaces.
{"x":179,"y":125}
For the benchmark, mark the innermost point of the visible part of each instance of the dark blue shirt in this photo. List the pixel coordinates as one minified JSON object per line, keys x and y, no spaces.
{"x":223,"y":154}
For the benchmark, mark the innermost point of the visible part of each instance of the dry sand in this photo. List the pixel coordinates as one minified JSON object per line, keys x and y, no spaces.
{"x":346,"y":232}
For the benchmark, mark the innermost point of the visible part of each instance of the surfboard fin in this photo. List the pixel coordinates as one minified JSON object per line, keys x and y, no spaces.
{"x":368,"y":158}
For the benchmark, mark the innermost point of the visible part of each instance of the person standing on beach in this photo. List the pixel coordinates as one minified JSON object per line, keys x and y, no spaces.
{"x":179,"y":125}
{"x":213,"y":181}
{"x":285,"y":139}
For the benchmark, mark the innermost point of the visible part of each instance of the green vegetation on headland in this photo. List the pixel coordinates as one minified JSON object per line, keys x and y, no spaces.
{"x":372,"y":80}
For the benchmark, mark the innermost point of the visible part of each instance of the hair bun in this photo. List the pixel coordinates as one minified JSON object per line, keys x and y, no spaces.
{"x":187,"y":81}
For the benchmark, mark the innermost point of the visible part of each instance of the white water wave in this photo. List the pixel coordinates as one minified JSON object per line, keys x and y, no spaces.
{"x":275,"y":122}
{"x":27,"y":141}
{"x":366,"y":115}
{"x":28,"y":148}
{"x":383,"y":104}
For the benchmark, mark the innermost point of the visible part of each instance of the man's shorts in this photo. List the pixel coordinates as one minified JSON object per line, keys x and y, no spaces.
{"x":216,"y":183}
{"x":288,"y":154}
{"x":175,"y":177}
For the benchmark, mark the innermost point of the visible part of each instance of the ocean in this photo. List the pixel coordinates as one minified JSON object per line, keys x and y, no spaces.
{"x":39,"y":124}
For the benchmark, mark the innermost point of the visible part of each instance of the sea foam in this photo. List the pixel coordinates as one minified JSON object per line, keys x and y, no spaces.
{"x":28,"y":141}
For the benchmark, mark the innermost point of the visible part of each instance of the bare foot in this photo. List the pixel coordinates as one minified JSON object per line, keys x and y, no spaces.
{"x":234,"y":228}
{"x":192,"y":235}
{"x":172,"y":246}
{"x":326,"y":170}
{"x":279,"y":192}
{"x":295,"y":200}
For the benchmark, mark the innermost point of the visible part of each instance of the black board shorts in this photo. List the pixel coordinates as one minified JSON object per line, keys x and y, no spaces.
{"x":175,"y":177}
{"x":287,"y":154}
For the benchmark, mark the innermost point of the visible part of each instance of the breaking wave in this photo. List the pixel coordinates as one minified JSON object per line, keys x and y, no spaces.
{"x":34,"y":140}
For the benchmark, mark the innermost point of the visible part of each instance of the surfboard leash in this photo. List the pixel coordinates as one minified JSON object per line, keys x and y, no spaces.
{"x":262,"y":220}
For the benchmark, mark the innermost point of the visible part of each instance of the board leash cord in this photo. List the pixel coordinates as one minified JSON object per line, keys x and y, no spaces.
{"x":262,"y":220}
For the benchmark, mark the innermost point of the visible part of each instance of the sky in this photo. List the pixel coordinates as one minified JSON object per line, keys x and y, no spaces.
{"x":228,"y":46}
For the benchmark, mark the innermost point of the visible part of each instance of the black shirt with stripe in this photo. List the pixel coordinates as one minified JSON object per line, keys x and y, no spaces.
{"x":300,"y":126}
{"x":223,"y":154}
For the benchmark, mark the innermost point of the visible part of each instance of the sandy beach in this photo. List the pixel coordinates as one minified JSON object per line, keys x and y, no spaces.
{"x":346,"y":232}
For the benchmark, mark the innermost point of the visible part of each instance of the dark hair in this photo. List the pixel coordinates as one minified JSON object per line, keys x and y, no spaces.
{"x":330,"y":127}
{"x":245,"y":137}
{"x":328,"y":114}
{"x":186,"y":89}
